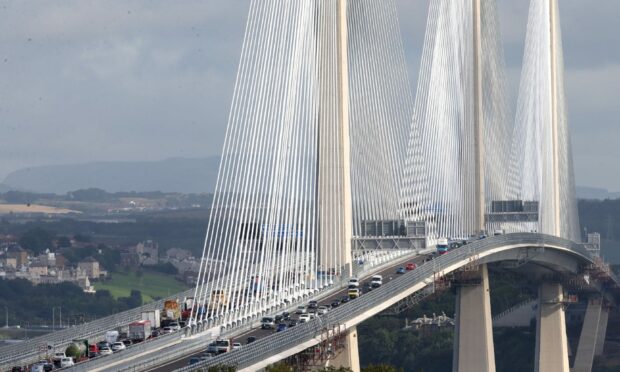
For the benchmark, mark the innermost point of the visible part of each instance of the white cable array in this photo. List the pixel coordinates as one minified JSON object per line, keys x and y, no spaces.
{"x":276,"y":230}
{"x":439,"y":182}
{"x":381,"y":108}
{"x":541,"y":150}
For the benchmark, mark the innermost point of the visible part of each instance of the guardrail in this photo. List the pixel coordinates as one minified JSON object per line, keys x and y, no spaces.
{"x":389,"y":293}
{"x":30,"y":350}
{"x":191,"y":346}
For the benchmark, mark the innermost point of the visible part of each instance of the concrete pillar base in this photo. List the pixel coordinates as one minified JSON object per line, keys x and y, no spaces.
{"x":551,"y":340}
{"x":473,"y":337}
{"x":589,"y":336}
{"x":602,"y":331}
{"x":349,"y":356}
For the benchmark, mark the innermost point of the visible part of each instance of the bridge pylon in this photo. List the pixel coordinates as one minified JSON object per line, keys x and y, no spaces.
{"x":551,"y":339}
{"x":473,"y":336}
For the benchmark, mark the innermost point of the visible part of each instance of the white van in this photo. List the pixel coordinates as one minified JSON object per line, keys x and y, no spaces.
{"x":354,"y":282}
{"x":376,"y":281}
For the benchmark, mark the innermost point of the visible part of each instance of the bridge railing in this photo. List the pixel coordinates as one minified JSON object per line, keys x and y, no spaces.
{"x":278,"y":343}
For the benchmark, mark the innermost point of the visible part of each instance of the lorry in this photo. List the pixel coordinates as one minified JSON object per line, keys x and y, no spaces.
{"x":153,"y":316}
{"x":218,"y":299}
{"x":140,"y":330}
{"x":442,"y":245}
{"x":78,"y":350}
{"x":111,"y":337}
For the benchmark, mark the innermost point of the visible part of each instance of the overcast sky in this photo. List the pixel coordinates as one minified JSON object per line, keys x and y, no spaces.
{"x":84,"y":80}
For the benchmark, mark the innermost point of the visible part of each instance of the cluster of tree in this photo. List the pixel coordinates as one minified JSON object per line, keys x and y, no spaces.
{"x":177,"y":230}
{"x":35,"y":304}
{"x":107,"y":257}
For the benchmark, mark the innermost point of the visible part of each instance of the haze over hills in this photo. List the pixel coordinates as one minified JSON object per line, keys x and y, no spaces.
{"x":170,"y":175}
{"x":183,"y":175}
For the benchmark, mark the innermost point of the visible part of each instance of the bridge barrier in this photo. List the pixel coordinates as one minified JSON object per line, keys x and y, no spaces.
{"x":380,"y":298}
{"x":30,"y":350}
{"x":191,"y":346}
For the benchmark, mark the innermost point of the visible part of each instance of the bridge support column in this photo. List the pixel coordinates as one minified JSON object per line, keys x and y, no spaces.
{"x":589,"y":336}
{"x":473,"y":336}
{"x":349,"y":356}
{"x":602,"y":331}
{"x":551,"y":339}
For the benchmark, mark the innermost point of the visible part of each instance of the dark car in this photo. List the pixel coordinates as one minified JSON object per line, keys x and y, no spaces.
{"x":345,"y":299}
{"x":250,"y":340}
{"x":126,"y":341}
{"x":286,"y":316}
{"x":17,"y":369}
{"x":281,"y":327}
{"x":335,"y":303}
{"x":313,"y":305}
{"x":400,"y":270}
{"x":194,"y":360}
{"x":278,"y":319}
{"x":292,"y":323}
{"x":103,"y":344}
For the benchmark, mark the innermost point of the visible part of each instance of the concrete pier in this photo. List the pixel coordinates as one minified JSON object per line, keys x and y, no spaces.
{"x":551,"y":340}
{"x":473,"y":335}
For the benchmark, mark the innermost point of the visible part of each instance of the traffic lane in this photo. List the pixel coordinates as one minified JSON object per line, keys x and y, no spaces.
{"x":387,"y":273}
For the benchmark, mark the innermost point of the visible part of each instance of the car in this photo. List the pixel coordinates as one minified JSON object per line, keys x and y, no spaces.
{"x":166,"y":330}
{"x":322,"y":310}
{"x":313,"y":305}
{"x":66,"y":362}
{"x":174,"y":326}
{"x":301,"y":309}
{"x":47,"y":366}
{"x":155,"y":333}
{"x":344,"y":300}
{"x":368,"y":287}
{"x":410,"y":266}
{"x":118,"y":346}
{"x":105,"y":350}
{"x":354,"y":282}
{"x":303,"y":318}
{"x":354,"y":293}
{"x":103,"y":344}
{"x":37,"y":368}
{"x":292,"y":323}
{"x":281,"y":327}
{"x":267,"y":323}
{"x":286,"y":316}
{"x":236,"y":345}
{"x":207,"y":355}
{"x":278,"y":319}
{"x":335,"y":303}
{"x":194,"y":360}
{"x":250,"y":339}
{"x":400,"y":270}
{"x":126,"y":341}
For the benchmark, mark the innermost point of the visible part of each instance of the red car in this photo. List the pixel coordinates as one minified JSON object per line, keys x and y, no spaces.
{"x":410,"y":266}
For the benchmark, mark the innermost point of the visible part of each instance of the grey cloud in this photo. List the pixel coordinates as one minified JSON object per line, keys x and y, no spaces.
{"x":85,"y":80}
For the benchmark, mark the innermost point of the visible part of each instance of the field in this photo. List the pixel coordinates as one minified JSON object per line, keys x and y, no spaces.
{"x":32,"y":208}
{"x":151,"y":284}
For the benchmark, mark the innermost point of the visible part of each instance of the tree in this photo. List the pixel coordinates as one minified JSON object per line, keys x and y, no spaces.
{"x":64,"y":242}
{"x":279,"y":367}
{"x":36,"y":240}
{"x":381,"y":368}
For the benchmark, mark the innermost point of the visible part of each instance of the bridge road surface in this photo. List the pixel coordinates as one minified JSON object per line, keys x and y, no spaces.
{"x":388,"y":274}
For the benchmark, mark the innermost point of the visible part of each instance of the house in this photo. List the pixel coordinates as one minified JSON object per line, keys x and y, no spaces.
{"x":19,"y":254}
{"x":148,"y":253}
{"x":90,"y":267}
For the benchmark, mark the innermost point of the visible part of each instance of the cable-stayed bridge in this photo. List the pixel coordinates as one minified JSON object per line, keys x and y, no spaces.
{"x":330,"y":161}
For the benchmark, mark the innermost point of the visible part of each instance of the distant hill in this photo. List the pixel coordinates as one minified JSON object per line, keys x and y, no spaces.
{"x":169,"y":175}
{"x":584,"y":192}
